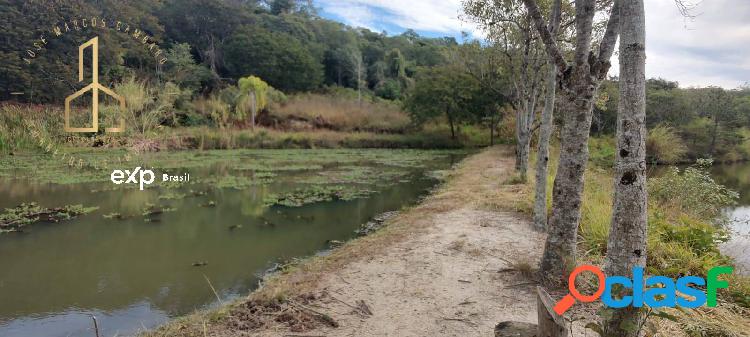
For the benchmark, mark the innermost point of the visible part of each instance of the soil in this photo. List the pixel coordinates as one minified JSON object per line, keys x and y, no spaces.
{"x":465,"y":271}
{"x":456,"y":265}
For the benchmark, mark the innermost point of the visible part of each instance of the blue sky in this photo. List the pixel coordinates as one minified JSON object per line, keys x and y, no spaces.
{"x":711,"y":49}
{"x":428,"y":18}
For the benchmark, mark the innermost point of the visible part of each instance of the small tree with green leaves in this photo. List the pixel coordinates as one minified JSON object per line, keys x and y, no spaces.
{"x":252,"y":96}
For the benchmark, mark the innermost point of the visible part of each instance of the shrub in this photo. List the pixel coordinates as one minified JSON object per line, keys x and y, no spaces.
{"x":214,"y":108}
{"x":692,"y":191}
{"x":146,"y":106}
{"x":665,"y":146}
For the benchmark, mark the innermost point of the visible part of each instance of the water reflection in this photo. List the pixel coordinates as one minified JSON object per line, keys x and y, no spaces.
{"x":132,"y":274}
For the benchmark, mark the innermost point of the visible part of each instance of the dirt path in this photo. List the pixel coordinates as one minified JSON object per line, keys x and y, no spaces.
{"x":453,"y":277}
{"x":455,"y":265}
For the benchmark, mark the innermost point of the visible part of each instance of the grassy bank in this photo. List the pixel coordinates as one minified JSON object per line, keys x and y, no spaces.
{"x":685,"y":230}
{"x":337,"y":131}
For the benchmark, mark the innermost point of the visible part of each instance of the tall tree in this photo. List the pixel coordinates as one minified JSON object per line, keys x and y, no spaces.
{"x":626,"y":247}
{"x":511,"y":30}
{"x":545,"y":131}
{"x":203,"y":24}
{"x":579,"y":82}
{"x":279,"y":7}
{"x":278,"y":58}
{"x":443,"y":91}
{"x":484,"y":63}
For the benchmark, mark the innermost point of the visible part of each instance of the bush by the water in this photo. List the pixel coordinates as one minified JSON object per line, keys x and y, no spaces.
{"x":684,"y":223}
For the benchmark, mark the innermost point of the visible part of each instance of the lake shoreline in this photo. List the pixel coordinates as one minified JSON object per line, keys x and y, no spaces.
{"x":440,"y":251}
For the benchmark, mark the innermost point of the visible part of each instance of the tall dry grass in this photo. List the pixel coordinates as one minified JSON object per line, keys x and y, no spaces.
{"x":665,"y":146}
{"x":343,"y":113}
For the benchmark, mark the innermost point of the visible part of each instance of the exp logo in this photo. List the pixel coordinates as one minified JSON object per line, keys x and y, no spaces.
{"x":118,"y":177}
{"x":646,"y":292}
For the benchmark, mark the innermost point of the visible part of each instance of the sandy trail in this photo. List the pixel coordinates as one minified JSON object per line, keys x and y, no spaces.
{"x":450,"y":278}
{"x":454,"y":265}
{"x":445,"y":282}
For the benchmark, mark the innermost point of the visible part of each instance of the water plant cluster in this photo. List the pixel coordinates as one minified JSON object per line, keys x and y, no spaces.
{"x":16,"y":218}
{"x":293,"y":177}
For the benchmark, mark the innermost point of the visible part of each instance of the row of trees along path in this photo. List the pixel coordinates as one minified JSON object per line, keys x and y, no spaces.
{"x":576,"y":82}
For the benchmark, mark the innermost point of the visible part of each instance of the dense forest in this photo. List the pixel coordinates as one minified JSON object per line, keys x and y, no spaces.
{"x":208,"y":44}
{"x":325,"y":72}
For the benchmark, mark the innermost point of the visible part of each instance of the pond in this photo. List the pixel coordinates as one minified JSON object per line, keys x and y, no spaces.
{"x":737,"y":177}
{"x":133,"y":268}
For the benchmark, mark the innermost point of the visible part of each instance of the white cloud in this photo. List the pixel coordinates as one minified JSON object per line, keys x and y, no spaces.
{"x":424,"y":15}
{"x":710,"y":49}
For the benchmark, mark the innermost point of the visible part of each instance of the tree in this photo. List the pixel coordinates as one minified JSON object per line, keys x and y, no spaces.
{"x":203,"y":24}
{"x":182,"y":69}
{"x":484,"y":63}
{"x":279,"y":7}
{"x":252,"y":96}
{"x":443,"y":90}
{"x":626,"y":247}
{"x":511,"y":30}
{"x":278,"y":58}
{"x":579,"y":81}
{"x":545,"y":131}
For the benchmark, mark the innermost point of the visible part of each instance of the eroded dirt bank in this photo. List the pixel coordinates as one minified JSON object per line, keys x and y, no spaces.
{"x":455,"y":265}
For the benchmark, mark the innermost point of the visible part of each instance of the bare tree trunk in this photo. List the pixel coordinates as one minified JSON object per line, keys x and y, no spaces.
{"x":560,"y":249}
{"x":579,"y":83}
{"x":542,"y":158}
{"x":524,"y":123}
{"x":545,"y":132}
{"x":253,"y":108}
{"x":626,"y":247}
{"x":450,"y":121}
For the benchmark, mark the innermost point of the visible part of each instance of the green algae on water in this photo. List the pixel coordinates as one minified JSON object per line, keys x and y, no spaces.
{"x":16,"y":218}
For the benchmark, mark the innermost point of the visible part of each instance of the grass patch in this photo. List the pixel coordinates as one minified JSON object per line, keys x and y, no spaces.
{"x":341,"y":113}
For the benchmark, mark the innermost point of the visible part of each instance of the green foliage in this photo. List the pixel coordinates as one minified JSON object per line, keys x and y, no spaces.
{"x":215,"y":108}
{"x":710,"y":121}
{"x":282,"y":6}
{"x":278,"y":58}
{"x":444,"y":91}
{"x":182,"y":69}
{"x":692,"y":191}
{"x":146,"y":106}
{"x":389,"y":89}
{"x":602,"y":151}
{"x":16,"y":218}
{"x":251,"y":88}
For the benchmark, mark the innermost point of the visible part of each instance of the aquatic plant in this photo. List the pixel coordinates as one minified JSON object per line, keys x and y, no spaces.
{"x":16,"y":218}
{"x":315,"y":193}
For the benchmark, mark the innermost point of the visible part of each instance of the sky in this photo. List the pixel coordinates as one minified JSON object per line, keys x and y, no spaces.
{"x":712,"y":48}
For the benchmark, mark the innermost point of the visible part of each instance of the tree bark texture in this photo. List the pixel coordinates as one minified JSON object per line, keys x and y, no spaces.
{"x":545,"y":132}
{"x":578,"y":86}
{"x":626,"y":247}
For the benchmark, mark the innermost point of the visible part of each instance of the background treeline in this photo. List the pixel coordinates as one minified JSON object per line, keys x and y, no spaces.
{"x":322,"y":74}
{"x":684,"y":124}
{"x":210,"y":44}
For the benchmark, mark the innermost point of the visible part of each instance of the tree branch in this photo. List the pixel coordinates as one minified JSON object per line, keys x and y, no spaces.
{"x":607,"y":46}
{"x":549,"y":41}
{"x":585,"y":11}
